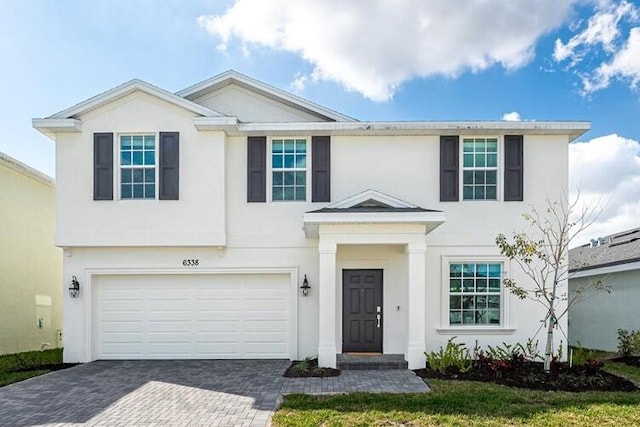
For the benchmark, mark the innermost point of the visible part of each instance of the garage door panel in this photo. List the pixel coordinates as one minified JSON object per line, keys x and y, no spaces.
{"x":193,"y":316}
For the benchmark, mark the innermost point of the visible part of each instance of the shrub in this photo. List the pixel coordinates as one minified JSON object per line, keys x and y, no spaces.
{"x":628,"y":343}
{"x":529,"y":351}
{"x":454,"y":357}
{"x":582,"y":355}
{"x":302,"y":367}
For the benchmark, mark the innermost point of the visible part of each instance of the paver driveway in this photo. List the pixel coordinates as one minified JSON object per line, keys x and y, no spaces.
{"x":175,"y":393}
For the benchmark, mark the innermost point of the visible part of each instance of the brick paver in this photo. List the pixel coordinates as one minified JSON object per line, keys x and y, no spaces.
{"x":176,"y":393}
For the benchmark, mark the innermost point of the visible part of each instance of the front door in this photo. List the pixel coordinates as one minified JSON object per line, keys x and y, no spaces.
{"x":362,"y":311}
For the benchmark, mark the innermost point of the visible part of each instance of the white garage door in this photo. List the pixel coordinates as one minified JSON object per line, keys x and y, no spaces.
{"x":193,"y":317}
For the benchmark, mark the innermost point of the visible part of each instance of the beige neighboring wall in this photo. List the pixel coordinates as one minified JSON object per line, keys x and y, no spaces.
{"x":30,"y":264}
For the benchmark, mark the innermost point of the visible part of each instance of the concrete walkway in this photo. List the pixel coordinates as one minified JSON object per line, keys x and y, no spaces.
{"x":176,"y":393}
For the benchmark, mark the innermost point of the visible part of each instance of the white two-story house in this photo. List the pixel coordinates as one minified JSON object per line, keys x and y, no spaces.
{"x":236,"y":220}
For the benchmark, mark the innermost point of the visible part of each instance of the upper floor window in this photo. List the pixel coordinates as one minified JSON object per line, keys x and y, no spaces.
{"x":137,"y":166}
{"x":474,"y":293}
{"x":480,"y":168}
{"x":288,"y":169}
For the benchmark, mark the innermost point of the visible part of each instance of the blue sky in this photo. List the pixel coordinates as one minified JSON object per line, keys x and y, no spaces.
{"x":413,"y":60}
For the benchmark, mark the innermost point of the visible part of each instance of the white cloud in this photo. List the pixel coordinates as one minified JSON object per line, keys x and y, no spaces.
{"x":373,"y":47}
{"x":602,"y":36}
{"x":607,"y":172}
{"x":513,"y":116}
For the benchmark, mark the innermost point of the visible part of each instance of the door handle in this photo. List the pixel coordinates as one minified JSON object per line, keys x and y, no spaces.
{"x":378,"y":320}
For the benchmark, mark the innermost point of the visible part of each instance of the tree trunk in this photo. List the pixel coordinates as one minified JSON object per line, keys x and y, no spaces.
{"x":548,"y":351}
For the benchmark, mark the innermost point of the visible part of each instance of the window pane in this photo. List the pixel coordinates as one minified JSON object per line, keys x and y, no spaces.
{"x":138,"y":191}
{"x":455,"y":270}
{"x":301,"y":193}
{"x":468,"y":146}
{"x":455,"y":302}
{"x":125,"y":158}
{"x":468,"y":160}
{"x":126,"y":176}
{"x":481,"y":317}
{"x":276,"y":146}
{"x":494,"y":285}
{"x":479,"y":145}
{"x":494,"y":270}
{"x":494,"y":301}
{"x":149,"y":175}
{"x":289,"y":146}
{"x":492,"y":145}
{"x":492,"y":160}
{"x":467,"y":302}
{"x":480,"y":160}
{"x":455,"y":317}
{"x":138,"y":175}
{"x":278,"y":193}
{"x":301,"y":161}
{"x":482,"y":270}
{"x":125,"y":143}
{"x":467,"y":177}
{"x":301,"y":178}
{"x":125,"y":190}
{"x":468,"y":317}
{"x":467,"y":192}
{"x":278,"y":178}
{"x":150,"y":191}
{"x":288,"y":178}
{"x":301,"y":146}
{"x":149,"y":141}
{"x":288,"y":161}
{"x":478,"y":193}
{"x":490,"y":177}
{"x":137,"y":158}
{"x":493,"y":317}
{"x":289,"y":193}
{"x":491,"y":192}
{"x":455,"y":285}
{"x":481,"y":285}
{"x":481,"y":302}
{"x":479,"y":177}
{"x":467,"y":285}
{"x":149,"y":158}
{"x":137,"y":141}
{"x":277,"y":162}
{"x":469,"y":270}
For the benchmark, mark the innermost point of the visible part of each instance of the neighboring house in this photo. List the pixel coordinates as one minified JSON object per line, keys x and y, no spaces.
{"x":615,"y":261}
{"x":191,"y":221}
{"x":30,"y":263}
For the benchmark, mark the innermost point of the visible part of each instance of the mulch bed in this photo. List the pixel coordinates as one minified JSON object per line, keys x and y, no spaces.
{"x":309,"y":368}
{"x":531,"y":375}
{"x":629,"y":360}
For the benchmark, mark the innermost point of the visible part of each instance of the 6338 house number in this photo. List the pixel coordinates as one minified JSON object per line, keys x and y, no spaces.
{"x":191,"y":262}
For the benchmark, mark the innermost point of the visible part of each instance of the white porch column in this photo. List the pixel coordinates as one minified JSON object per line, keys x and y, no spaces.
{"x":327,"y":305}
{"x":416,"y":254}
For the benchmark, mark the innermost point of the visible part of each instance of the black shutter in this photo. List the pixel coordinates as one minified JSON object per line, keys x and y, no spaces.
{"x":449,"y":168}
{"x":169,"y":166}
{"x":103,"y":166}
{"x":321,"y":169}
{"x":513,"y":168}
{"x":257,"y":169}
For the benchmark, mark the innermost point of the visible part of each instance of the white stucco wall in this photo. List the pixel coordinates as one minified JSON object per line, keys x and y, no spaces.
{"x":595,"y":321}
{"x":212,"y":212}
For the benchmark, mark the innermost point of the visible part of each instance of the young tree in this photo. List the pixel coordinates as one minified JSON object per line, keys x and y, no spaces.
{"x":542,"y":254}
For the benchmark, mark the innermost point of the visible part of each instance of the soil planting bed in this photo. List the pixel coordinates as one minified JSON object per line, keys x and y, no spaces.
{"x":309,"y":368}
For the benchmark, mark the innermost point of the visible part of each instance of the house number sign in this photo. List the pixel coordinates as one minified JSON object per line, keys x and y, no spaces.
{"x":191,"y":262}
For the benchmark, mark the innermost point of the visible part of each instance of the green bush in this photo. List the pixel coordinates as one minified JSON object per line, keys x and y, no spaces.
{"x":454,"y":357}
{"x":628,"y":343}
{"x":528,"y":351}
{"x":582,"y":355}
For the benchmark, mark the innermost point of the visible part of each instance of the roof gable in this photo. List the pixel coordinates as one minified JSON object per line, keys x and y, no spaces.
{"x":287,"y":99}
{"x":128,"y":88}
{"x":371,"y":198}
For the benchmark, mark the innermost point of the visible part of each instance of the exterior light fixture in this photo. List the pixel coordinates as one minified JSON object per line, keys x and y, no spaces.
{"x":74,"y":287}
{"x":305,"y":287}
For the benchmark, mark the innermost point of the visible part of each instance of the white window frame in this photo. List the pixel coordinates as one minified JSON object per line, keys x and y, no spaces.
{"x":156,"y":136}
{"x":270,"y":169}
{"x":505,"y":318}
{"x":499,"y":168}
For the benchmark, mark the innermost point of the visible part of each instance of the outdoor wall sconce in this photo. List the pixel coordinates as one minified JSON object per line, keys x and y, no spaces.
{"x":74,"y":287}
{"x":305,"y":287}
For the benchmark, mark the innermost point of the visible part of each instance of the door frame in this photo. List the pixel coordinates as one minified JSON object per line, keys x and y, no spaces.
{"x":342,"y":329}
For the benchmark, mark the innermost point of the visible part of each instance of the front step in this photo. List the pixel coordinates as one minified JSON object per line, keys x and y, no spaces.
{"x":373,"y":362}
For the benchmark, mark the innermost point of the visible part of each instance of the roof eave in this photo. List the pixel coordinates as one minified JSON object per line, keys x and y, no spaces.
{"x":50,"y":127}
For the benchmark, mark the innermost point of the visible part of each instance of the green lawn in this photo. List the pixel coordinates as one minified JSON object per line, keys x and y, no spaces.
{"x":629,"y":372}
{"x":30,"y":359}
{"x":462,"y":403}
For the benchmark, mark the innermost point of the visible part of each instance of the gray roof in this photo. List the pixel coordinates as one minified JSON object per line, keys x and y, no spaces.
{"x":372,"y":205}
{"x":619,"y":248}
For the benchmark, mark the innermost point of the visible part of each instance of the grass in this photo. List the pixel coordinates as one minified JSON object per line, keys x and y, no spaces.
{"x":631,"y":373}
{"x":29,"y":363}
{"x":462,"y":403}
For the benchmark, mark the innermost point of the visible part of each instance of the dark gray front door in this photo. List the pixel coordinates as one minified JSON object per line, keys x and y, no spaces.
{"x":362,"y":310}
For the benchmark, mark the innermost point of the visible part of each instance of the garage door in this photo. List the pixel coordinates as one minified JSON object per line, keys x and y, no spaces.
{"x":193,"y":317}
